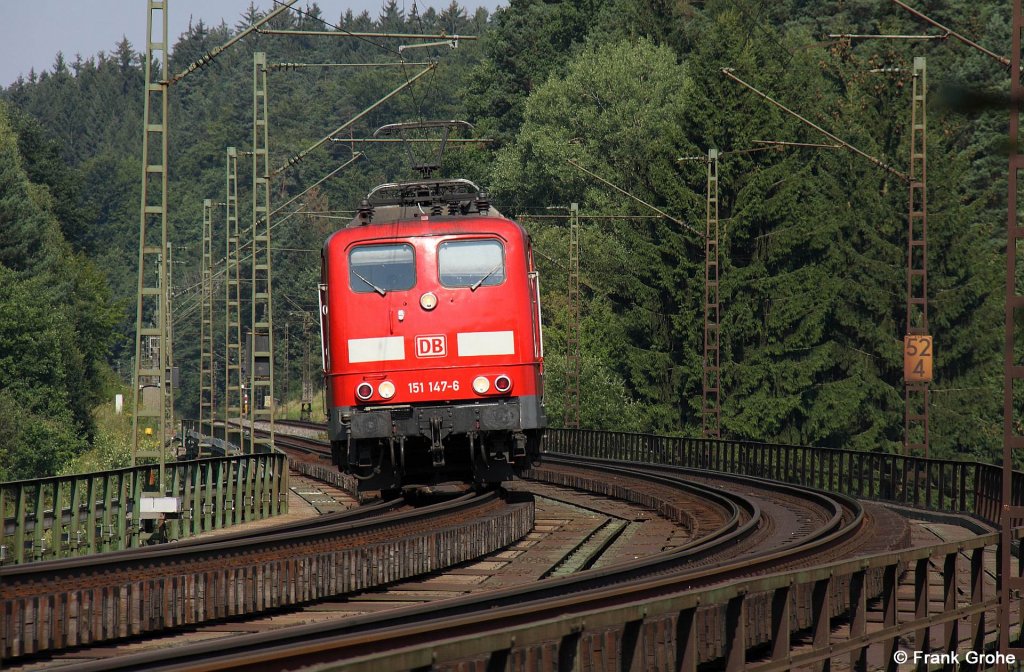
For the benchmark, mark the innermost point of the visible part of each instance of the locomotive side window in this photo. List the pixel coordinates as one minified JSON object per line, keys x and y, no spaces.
{"x":381,"y":268}
{"x":471,"y":263}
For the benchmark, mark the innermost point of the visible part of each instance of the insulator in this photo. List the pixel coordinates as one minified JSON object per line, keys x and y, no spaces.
{"x":453,"y":207}
{"x":365,"y":212}
{"x":482,"y":203}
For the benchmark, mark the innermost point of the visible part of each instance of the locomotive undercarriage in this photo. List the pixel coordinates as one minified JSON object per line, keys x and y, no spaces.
{"x":386,"y":449}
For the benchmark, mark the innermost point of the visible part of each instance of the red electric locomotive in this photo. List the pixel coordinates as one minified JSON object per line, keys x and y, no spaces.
{"x":431,"y":327}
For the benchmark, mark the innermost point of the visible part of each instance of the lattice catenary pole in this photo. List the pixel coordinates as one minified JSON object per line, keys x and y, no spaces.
{"x":286,"y":373}
{"x":917,"y":344}
{"x":261,"y":361}
{"x":206,"y":385}
{"x":306,"y":412}
{"x":168,"y":351}
{"x":1013,"y":367}
{"x":572,"y":338}
{"x":150,"y":312}
{"x":152,"y":375}
{"x":232,"y":297}
{"x":711,"y":405}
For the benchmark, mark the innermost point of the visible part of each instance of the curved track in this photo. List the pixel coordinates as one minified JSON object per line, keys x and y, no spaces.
{"x":52,"y":605}
{"x":702,"y":562}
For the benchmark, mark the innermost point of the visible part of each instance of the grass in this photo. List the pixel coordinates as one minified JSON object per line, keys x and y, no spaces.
{"x":292,"y":409}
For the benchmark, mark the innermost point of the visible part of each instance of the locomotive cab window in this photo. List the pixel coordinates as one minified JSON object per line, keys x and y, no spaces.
{"x":381,"y":268}
{"x":471,"y":263}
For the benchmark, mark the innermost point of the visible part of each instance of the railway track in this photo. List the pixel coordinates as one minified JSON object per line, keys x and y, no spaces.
{"x":803,"y":524}
{"x":733,"y":527}
{"x":303,"y":448}
{"x":690,"y":565}
{"x":66,"y":603}
{"x":727,"y":510}
{"x":306,"y":425}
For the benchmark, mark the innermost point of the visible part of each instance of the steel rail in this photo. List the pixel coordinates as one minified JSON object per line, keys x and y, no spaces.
{"x":460,"y":640}
{"x":304,"y":424}
{"x":726,"y":501}
{"x":61,"y":603}
{"x":834,"y":503}
{"x":568,"y":599}
{"x":828,"y":501}
{"x":729,"y":504}
{"x":189,"y":552}
{"x":832,"y":531}
{"x":617,"y":466}
{"x":322,"y":467}
{"x":316,"y":523}
{"x":305,"y":445}
{"x":744,"y":517}
{"x":734,"y":507}
{"x":954,"y":486}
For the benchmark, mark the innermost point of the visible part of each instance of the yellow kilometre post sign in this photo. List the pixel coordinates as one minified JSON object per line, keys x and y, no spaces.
{"x":917,"y":359}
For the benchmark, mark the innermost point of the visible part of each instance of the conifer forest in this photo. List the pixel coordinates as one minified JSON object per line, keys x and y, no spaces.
{"x":813,"y":236}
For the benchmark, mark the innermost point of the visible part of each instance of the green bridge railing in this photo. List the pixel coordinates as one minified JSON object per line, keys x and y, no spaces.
{"x":67,"y":516}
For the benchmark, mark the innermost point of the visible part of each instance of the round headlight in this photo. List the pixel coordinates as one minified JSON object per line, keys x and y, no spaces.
{"x":364,"y":391}
{"x":428,"y":301}
{"x":481,"y":385}
{"x":503,"y":383}
{"x":386,"y":389}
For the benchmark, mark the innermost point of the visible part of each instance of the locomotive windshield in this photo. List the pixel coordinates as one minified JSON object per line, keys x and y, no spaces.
{"x":471,"y":263}
{"x":381,"y":268}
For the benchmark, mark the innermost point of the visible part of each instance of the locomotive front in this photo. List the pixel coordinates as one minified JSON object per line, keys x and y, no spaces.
{"x":433,"y":354}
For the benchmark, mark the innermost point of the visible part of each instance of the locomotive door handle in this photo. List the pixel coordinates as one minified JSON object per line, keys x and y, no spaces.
{"x":391,"y":318}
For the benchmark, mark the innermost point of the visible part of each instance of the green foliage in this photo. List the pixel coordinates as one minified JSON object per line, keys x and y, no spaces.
{"x":39,"y":369}
{"x":111,"y":447}
{"x":29,"y":238}
{"x":633,"y":265}
{"x":617,"y":111}
{"x":56,"y":325}
{"x":530,"y":40}
{"x":34,"y":444}
{"x":813,"y":269}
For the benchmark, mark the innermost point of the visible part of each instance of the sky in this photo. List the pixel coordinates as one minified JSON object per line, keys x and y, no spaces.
{"x":33,"y":31}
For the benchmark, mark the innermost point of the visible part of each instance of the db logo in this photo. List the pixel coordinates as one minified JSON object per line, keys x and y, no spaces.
{"x":431,"y":346}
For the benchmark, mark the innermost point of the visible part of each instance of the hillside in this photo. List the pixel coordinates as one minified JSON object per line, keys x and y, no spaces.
{"x":813,"y":268}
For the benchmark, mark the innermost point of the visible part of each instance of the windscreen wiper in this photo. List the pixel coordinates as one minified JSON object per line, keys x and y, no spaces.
{"x":382,"y":292}
{"x":479,"y":282}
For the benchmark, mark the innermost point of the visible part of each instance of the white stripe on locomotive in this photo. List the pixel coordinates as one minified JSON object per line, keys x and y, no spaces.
{"x":486,"y":343}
